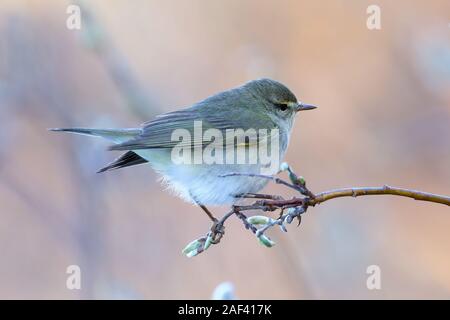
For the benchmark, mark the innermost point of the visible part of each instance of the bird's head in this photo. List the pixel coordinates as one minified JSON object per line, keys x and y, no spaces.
{"x":276,"y":98}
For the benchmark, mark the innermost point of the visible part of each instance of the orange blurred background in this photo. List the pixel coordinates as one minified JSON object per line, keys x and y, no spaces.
{"x":383,"y":118}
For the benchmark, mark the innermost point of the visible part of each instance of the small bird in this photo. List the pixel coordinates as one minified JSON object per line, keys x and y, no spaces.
{"x":265,"y":106}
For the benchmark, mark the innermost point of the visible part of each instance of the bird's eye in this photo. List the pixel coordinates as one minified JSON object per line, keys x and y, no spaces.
{"x":281,"y":106}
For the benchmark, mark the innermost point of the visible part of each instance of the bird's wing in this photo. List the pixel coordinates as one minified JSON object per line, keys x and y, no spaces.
{"x":158,"y":132}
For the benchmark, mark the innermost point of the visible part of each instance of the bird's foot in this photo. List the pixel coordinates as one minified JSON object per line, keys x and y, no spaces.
{"x":217,"y":231}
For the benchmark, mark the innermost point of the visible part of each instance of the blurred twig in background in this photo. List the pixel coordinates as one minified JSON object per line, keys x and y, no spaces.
{"x":94,"y":37}
{"x":36,"y":78}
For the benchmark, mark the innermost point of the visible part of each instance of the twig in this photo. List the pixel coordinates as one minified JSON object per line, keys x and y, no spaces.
{"x":291,"y":209}
{"x":259,"y":196}
{"x":385,"y":190}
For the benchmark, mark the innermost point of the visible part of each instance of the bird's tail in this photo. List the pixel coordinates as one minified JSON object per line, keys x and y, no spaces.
{"x":114,"y":135}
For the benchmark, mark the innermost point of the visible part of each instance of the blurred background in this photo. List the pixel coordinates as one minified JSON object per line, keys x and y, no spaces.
{"x":384,"y":118}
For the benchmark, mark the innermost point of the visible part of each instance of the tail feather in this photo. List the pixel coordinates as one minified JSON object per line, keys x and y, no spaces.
{"x":127,"y":159}
{"x":115,"y":135}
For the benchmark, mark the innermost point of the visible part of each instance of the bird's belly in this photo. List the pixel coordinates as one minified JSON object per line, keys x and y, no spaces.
{"x":203,"y":183}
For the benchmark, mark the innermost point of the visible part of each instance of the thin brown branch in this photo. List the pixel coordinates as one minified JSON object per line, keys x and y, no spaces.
{"x":270,"y":205}
{"x":385,"y":190}
{"x":294,"y":208}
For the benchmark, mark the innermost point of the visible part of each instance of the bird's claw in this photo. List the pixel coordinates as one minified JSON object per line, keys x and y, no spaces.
{"x":299,"y":218}
{"x":217,"y":232}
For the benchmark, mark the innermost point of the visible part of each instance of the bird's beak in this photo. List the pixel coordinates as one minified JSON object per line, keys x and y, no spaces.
{"x":303,"y":106}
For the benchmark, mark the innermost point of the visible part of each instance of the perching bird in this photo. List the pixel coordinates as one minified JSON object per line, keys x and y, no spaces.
{"x":194,"y":148}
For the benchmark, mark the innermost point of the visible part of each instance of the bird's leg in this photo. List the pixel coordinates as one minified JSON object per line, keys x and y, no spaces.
{"x":217,"y":229}
{"x":206,"y":210}
{"x":258,"y":196}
